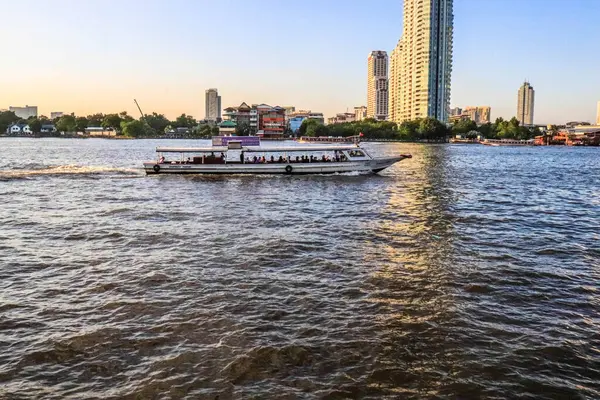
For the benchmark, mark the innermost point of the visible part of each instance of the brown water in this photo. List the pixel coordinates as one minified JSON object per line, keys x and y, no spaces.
{"x":465,"y":272}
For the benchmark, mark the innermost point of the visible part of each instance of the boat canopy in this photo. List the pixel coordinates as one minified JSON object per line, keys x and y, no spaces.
{"x":191,"y":149}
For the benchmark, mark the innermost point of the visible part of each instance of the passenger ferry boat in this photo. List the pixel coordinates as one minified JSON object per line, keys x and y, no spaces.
{"x":508,"y":142}
{"x":235,"y":158}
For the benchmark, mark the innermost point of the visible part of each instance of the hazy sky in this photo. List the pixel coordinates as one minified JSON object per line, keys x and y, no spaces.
{"x":87,"y":56}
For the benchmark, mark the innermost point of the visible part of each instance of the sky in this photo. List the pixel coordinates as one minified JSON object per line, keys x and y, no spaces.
{"x":88,"y":56}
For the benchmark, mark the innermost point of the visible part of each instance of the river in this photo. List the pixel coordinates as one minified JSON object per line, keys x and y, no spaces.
{"x":464,"y":272}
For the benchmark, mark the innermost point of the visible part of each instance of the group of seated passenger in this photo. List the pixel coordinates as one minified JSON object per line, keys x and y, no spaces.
{"x":338,"y":157}
{"x":210,"y":159}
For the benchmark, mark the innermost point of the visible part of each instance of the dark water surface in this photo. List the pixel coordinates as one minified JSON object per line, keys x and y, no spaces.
{"x":466,"y":272}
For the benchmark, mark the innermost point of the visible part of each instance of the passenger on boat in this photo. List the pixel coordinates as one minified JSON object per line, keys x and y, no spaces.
{"x":263,"y":160}
{"x":323,"y":158}
{"x":281,"y":160}
{"x":297,"y":159}
{"x":255,"y":160}
{"x":222,"y":156}
{"x":272,"y":159}
{"x":242,"y":157}
{"x":161,"y":159}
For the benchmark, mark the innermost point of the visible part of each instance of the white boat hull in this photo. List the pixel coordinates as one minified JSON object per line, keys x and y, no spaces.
{"x":373,"y":165}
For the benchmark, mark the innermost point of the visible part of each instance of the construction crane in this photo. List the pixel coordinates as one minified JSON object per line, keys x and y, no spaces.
{"x":143,"y":119}
{"x":138,"y":106}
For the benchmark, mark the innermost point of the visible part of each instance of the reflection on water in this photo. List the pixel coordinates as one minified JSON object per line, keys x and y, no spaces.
{"x":465,"y":272}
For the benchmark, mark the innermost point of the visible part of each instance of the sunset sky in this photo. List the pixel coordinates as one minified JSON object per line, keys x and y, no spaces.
{"x":88,"y":56}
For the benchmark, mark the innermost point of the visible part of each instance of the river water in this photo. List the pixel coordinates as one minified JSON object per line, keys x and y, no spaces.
{"x":464,"y":272}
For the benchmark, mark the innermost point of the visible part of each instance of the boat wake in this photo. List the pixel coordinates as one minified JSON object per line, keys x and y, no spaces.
{"x":68,"y":170}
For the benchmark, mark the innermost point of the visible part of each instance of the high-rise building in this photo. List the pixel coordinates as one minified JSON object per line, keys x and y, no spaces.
{"x":212,"y":105}
{"x":421,"y":63}
{"x":598,"y":114}
{"x":525,"y":103}
{"x":377,"y":86}
{"x":56,"y":114}
{"x":24,"y":112}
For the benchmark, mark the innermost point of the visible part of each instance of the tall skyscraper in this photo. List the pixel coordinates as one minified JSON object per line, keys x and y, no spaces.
{"x":212,"y":104}
{"x":421,"y":63}
{"x":377,"y":86}
{"x":525,"y":104}
{"x":598,"y":114}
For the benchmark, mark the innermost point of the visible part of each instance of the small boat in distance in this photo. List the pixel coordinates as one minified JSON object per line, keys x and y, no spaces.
{"x":507,"y":142}
{"x":329,"y":139}
{"x":235,"y":158}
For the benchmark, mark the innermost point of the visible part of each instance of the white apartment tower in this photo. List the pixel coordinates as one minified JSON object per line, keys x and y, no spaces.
{"x":377,"y":86}
{"x":525,"y":103}
{"x":421,"y":63}
{"x":212,"y":105}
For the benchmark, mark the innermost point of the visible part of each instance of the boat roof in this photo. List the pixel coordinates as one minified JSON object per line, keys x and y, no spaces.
{"x":300,"y":148}
{"x":254,"y":149}
{"x":191,"y":149}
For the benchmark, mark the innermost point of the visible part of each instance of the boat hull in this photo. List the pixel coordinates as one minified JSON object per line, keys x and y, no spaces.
{"x":374,"y":165}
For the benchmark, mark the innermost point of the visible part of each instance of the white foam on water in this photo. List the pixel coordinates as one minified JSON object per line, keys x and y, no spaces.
{"x":71,"y":169}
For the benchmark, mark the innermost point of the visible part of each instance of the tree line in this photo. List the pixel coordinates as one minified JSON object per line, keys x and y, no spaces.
{"x":152,"y":125}
{"x":421,"y":129}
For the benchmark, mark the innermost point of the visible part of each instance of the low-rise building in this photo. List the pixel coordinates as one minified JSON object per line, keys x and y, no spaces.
{"x":341,"y":118}
{"x":227,"y":128}
{"x":99,"y":131}
{"x":18,"y":129}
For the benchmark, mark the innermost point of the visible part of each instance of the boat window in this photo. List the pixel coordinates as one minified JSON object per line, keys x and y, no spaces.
{"x":356,"y":153}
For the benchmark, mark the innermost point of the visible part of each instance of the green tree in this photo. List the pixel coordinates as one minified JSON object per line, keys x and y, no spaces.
{"x":95,"y":120}
{"x":35,"y":125}
{"x":243,"y":129}
{"x":7,"y":118}
{"x":309,"y":127}
{"x":185,"y":121}
{"x":66,"y":123}
{"x":133,"y":128}
{"x":158,"y":122}
{"x":430,"y":129}
{"x":463,"y":126}
{"x":81,"y":123}
{"x":112,"y":121}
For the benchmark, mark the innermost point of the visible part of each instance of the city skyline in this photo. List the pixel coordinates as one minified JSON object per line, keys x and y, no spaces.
{"x":86,"y":65}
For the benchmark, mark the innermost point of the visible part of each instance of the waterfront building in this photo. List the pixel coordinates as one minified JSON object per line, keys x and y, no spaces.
{"x":341,"y":118}
{"x":525,"y":104}
{"x":360,"y":113}
{"x":24,"y":112}
{"x":421,"y":63}
{"x":212,"y":104}
{"x":56,"y":114}
{"x":18,"y":129}
{"x":297,"y":117}
{"x":227,"y":128}
{"x":271,"y":121}
{"x":598,"y":114}
{"x":377,"y":85}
